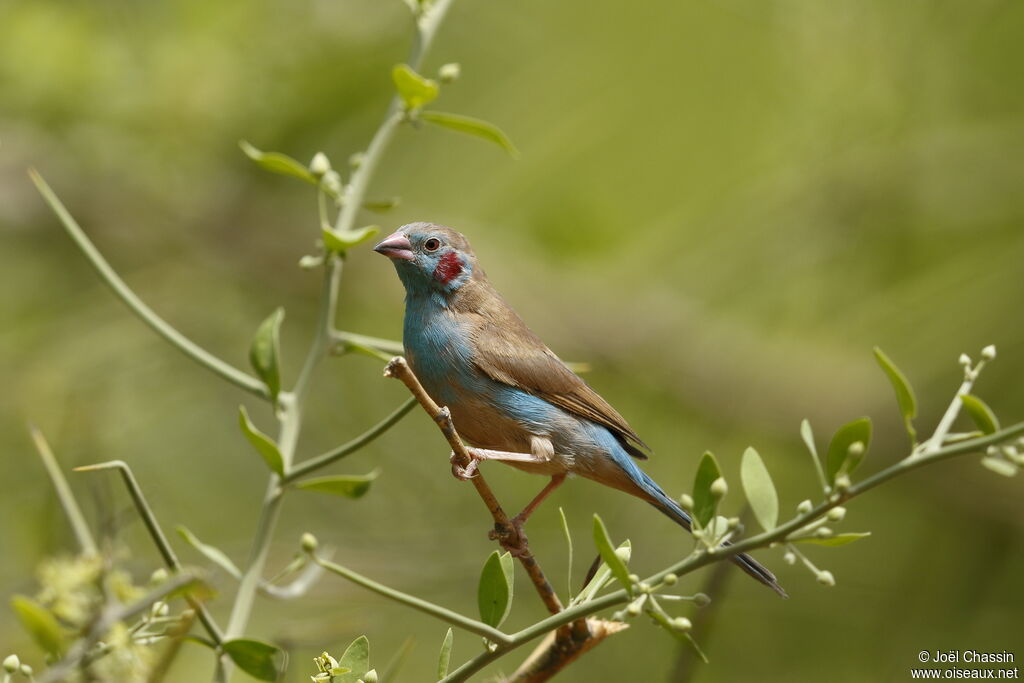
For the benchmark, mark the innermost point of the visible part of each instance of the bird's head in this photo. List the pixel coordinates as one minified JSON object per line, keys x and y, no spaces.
{"x":429,"y":258}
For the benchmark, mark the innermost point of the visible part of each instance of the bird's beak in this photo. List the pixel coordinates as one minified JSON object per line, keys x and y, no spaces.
{"x":395,"y":246}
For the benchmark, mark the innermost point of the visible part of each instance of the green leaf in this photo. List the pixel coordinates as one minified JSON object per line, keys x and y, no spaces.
{"x":415,"y":90}
{"x":704,"y":504}
{"x":381,"y":205}
{"x":444,"y":660}
{"x":904,"y":392}
{"x":982,"y":415}
{"x":261,"y":442}
{"x":276,"y":162}
{"x":343,"y":241}
{"x":838,"y":539}
{"x":608,"y":554}
{"x":568,"y":541}
{"x":356,"y":660}
{"x":347,"y":485}
{"x":471,"y":126}
{"x":494,"y":593}
{"x":999,"y":466}
{"x":808,"y":437}
{"x":212,"y":553}
{"x":40,"y":624}
{"x":760,"y":490}
{"x":839,"y":457}
{"x":265,"y":352}
{"x":254,"y":657}
{"x":603,"y":575}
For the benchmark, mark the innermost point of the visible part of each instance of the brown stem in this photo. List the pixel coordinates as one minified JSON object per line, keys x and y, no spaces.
{"x":556,"y":652}
{"x":503,"y":527}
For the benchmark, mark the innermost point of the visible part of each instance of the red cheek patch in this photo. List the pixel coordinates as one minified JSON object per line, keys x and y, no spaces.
{"x":449,"y":268}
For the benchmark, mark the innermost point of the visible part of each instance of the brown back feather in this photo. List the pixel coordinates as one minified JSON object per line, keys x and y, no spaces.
{"x":507,"y":351}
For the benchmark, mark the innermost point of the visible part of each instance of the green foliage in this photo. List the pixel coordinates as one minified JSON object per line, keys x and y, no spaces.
{"x":263,"y":444}
{"x":610,"y":555}
{"x":356,"y":659}
{"x":471,"y":126}
{"x":341,"y":242}
{"x":40,"y":623}
{"x":415,"y":90}
{"x":495,"y":590}
{"x":904,"y":392}
{"x":265,"y":352}
{"x":445,"y":657}
{"x":843,"y":454}
{"x":275,"y":162}
{"x":760,"y":490}
{"x":704,"y":501}
{"x":982,"y":415}
{"x":212,"y":553}
{"x":256,"y":658}
{"x":345,"y":485}
{"x":837,"y":539}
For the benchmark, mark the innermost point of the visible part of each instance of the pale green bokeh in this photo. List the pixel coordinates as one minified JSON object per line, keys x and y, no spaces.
{"x":721,"y":205}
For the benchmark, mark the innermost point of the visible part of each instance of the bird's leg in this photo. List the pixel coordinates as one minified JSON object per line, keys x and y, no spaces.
{"x":512,"y":537}
{"x":541,"y":451}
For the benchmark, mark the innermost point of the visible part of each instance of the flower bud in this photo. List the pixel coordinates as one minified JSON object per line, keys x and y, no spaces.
{"x":449,"y":72}
{"x":370,"y":676}
{"x":701,"y":600}
{"x":623,"y":554}
{"x":825,"y":578}
{"x":670,"y":579}
{"x":842,"y":483}
{"x":12,"y":664}
{"x":332,"y":181}
{"x":26,"y":671}
{"x":836,"y":514}
{"x":719,"y":488}
{"x":804,"y":507}
{"x":686,"y":502}
{"x":964,"y":360}
{"x":789,"y":557}
{"x":320,"y":165}
{"x":856,"y":448}
{"x":823,"y":532}
{"x":356,"y":160}
{"x":309,"y":543}
{"x":158,"y":576}
{"x":633,"y":609}
{"x":310,"y":261}
{"x":682,"y":624}
{"x":633,"y":578}
{"x":989,"y":352}
{"x":643,"y":587}
{"x":733,"y":523}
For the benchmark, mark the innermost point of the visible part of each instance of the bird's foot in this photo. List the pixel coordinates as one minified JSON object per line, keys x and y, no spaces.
{"x":511,"y":537}
{"x":463,"y":473}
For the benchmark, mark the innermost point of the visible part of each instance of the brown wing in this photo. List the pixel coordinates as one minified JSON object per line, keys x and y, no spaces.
{"x":507,"y":351}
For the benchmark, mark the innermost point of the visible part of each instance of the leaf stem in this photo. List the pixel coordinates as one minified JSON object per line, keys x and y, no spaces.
{"x":64,"y":494}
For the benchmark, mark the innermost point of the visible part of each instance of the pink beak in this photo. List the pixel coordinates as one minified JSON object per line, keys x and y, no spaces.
{"x":395,"y":246}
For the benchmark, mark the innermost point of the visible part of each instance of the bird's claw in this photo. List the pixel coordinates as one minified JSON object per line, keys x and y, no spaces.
{"x":511,"y":537}
{"x":463,"y":473}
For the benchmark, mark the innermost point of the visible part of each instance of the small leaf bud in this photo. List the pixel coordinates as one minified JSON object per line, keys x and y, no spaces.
{"x":670,"y":579}
{"x":964,"y":360}
{"x":825,"y":578}
{"x":686,"y":501}
{"x":701,"y":600}
{"x":320,"y":165}
{"x":681,"y":624}
{"x":836,"y":514}
{"x":989,"y":352}
{"x":309,"y":543}
{"x":804,"y":507}
{"x":719,"y":488}
{"x":789,"y":557}
{"x":12,"y":664}
{"x":449,"y":72}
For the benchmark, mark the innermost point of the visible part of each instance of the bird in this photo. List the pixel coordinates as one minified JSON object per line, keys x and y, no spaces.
{"x":510,"y":397}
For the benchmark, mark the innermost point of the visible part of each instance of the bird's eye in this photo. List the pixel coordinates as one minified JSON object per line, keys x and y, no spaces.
{"x":432,"y":244}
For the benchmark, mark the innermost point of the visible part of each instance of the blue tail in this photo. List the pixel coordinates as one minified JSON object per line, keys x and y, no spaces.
{"x":671,"y":509}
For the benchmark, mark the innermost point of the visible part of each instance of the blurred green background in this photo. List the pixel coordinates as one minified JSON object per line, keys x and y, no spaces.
{"x":721,"y":204}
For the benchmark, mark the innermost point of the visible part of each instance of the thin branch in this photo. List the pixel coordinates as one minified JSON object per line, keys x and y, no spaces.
{"x":352,"y":446}
{"x":232,"y":374}
{"x":159,"y":539}
{"x":64,"y":494}
{"x":400,"y":370}
{"x":442,"y":613}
